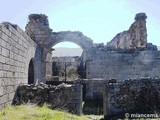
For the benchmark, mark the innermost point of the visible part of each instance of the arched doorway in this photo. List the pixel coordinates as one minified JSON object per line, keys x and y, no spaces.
{"x":67,"y":36}
{"x":31,"y":72}
{"x":66,"y":58}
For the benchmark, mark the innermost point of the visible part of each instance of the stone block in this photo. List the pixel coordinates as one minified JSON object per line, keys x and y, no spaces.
{"x":6,"y":67}
{"x":1,"y":90}
{"x":4,"y":90}
{"x":11,"y":96}
{"x":15,"y":57}
{"x":7,"y":61}
{"x":15,"y":50}
{"x":6,"y":81}
{"x":9,"y":74}
{"x":2,"y":73}
{"x":0,"y":49}
{"x":4,"y":36}
{"x":11,"y":54}
{"x":8,"y":46}
{"x":5,"y":52}
{"x":3,"y":99}
{"x":2,"y":59}
{"x":14,"y":37}
{"x":1,"y":66}
{"x":10,"y":89}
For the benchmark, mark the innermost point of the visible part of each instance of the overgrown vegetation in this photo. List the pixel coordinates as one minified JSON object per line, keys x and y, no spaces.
{"x":28,"y":112}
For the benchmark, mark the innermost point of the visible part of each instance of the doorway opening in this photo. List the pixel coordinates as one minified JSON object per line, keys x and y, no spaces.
{"x":31,"y":72}
{"x":67,"y":59}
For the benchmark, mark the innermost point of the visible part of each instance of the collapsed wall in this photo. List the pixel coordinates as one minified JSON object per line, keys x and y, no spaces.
{"x":140,"y":95}
{"x":128,"y":55}
{"x":135,"y":37}
{"x":62,"y":97}
{"x":16,"y":51}
{"x":122,"y":58}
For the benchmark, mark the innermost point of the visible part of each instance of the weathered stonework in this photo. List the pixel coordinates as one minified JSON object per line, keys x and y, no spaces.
{"x":124,"y":65}
{"x":141,"y":95}
{"x":127,"y":56}
{"x":63,"y":97}
{"x":93,"y":88}
{"x":59,"y":64}
{"x":135,"y":37}
{"x":122,"y":58}
{"x":38,"y":29}
{"x":16,"y":51}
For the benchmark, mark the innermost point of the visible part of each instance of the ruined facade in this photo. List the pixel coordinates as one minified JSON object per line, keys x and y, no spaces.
{"x":25,"y":57}
{"x":39,"y":30}
{"x":135,"y":37}
{"x":126,"y":55}
{"x":122,"y":58}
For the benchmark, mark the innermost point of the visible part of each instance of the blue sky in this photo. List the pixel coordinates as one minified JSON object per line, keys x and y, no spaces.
{"x":100,"y":20}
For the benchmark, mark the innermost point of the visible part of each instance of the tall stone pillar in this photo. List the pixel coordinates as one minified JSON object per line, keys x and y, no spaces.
{"x":106,"y":106}
{"x":39,"y":31}
{"x":38,"y":65}
{"x":48,"y":66}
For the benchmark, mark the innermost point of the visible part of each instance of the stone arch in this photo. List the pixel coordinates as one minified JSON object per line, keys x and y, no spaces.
{"x":75,"y":37}
{"x":31,"y":72}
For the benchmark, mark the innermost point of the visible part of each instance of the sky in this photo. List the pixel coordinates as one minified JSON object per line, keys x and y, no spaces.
{"x":99,"y":20}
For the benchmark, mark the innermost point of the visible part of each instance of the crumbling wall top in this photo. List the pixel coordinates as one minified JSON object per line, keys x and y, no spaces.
{"x":140,"y":16}
{"x":38,"y":28}
{"x":135,"y":37}
{"x":39,"y":18}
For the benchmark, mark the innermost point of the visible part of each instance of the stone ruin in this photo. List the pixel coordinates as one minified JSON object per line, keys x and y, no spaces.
{"x":141,"y":95}
{"x":135,"y":37}
{"x":62,"y":97}
{"x":126,"y":51}
{"x":25,"y":57}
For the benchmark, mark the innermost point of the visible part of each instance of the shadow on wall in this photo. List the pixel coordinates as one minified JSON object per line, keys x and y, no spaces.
{"x":31,"y":72}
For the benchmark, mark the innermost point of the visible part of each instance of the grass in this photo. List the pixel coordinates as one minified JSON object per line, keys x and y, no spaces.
{"x":30,"y":112}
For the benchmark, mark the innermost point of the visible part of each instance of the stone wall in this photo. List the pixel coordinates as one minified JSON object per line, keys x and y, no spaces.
{"x":140,"y":95}
{"x":127,"y":56}
{"x":93,"y":88}
{"x":38,"y":29}
{"x":16,"y":51}
{"x":62,"y":97}
{"x":122,"y":58}
{"x":124,"y":64}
